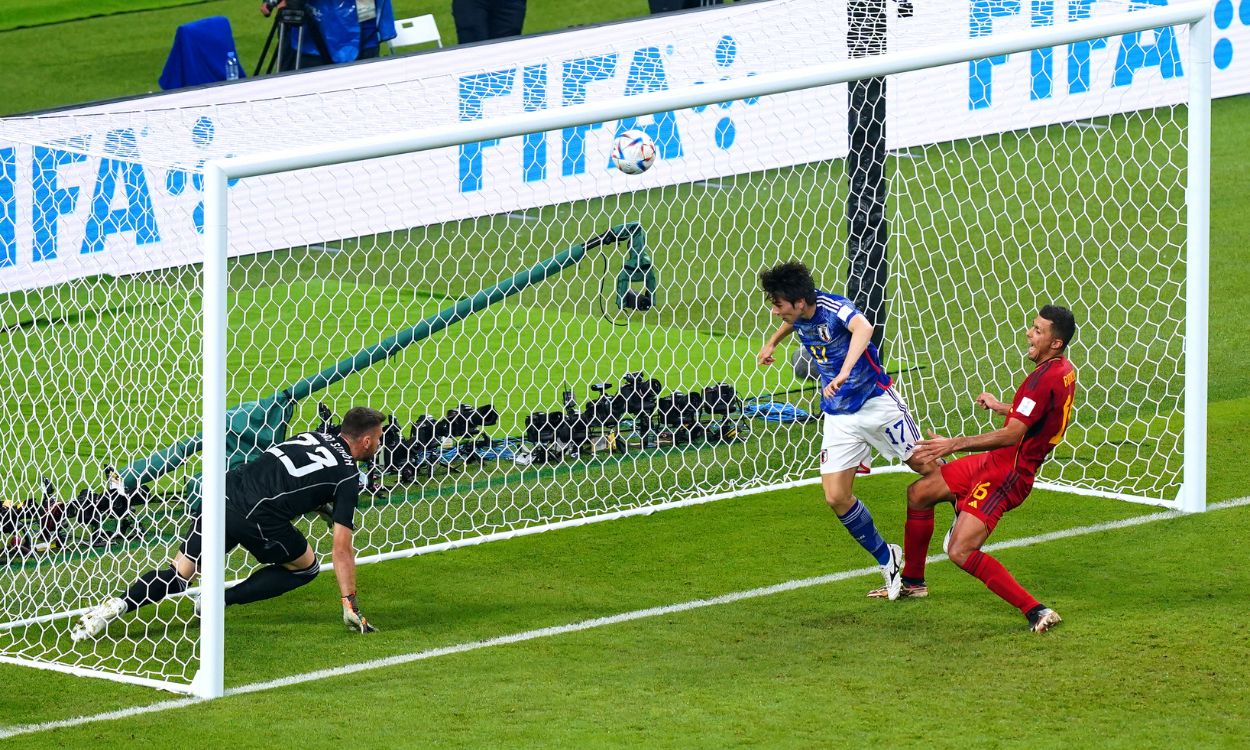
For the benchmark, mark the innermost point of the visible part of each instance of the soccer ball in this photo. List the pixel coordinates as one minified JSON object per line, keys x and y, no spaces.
{"x":633,"y":152}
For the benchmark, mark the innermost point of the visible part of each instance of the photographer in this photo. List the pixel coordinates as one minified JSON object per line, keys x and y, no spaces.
{"x":480,"y":20}
{"x":335,"y":31}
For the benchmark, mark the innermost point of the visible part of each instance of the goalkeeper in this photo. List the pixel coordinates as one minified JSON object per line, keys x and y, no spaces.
{"x":306,"y":473}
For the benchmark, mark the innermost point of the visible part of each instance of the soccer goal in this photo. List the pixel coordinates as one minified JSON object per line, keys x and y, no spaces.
{"x":186,"y":282}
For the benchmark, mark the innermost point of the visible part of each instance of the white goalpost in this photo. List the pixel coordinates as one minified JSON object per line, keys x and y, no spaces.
{"x":344,"y":271}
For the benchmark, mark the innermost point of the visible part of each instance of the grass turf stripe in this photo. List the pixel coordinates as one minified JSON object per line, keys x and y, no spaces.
{"x":596,"y":622}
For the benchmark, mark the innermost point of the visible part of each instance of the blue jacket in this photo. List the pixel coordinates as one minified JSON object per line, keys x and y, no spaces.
{"x":338,"y":24}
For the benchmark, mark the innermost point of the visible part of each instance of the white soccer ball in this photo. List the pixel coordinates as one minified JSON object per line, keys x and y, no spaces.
{"x":633,"y":152}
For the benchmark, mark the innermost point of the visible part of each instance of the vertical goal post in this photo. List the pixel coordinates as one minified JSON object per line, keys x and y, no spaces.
{"x":1193,"y":494}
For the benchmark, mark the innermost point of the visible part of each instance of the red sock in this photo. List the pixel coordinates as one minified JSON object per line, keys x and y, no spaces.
{"x":917,"y":533}
{"x":997,"y":579}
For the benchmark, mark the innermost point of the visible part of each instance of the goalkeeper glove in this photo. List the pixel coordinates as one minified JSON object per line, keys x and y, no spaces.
{"x":352,"y":618}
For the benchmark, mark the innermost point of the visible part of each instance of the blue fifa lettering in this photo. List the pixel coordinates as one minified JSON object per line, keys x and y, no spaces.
{"x":1042,"y":61}
{"x":8,"y":207}
{"x":534,"y":145}
{"x":1079,"y":52}
{"x":137,"y":216}
{"x":1133,"y":55}
{"x":578,"y":74}
{"x":50,"y":201}
{"x":474,"y":90}
{"x":981,"y":72}
{"x":980,"y":75}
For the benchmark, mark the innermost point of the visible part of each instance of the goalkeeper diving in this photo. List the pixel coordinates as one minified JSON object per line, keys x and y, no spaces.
{"x":310,"y":472}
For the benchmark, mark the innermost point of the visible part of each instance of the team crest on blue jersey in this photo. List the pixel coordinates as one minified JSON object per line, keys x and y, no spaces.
{"x":822,"y":331}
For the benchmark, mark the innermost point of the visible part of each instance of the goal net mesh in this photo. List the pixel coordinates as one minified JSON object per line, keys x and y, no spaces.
{"x":502,"y":419}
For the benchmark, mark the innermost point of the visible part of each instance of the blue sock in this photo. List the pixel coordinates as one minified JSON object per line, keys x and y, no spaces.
{"x":858,"y":521}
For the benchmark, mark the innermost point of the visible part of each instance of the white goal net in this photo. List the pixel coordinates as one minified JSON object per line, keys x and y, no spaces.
{"x":559,"y":342}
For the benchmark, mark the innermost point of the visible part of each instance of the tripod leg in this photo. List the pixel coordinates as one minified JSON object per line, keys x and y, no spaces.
{"x":264,"y":52}
{"x":299,"y":45}
{"x":280,"y":52}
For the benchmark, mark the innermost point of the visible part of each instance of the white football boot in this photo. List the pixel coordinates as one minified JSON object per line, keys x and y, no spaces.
{"x":97,"y":619}
{"x":892,"y":572}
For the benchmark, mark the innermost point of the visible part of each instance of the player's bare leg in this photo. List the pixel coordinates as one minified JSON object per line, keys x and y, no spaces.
{"x":185,"y":566}
{"x":924,"y":469}
{"x":855,"y":516}
{"x":966,"y":540}
{"x":837,"y":488}
{"x":303,"y":561}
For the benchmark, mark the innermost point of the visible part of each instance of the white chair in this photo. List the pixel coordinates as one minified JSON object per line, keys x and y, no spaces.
{"x":417,"y":30}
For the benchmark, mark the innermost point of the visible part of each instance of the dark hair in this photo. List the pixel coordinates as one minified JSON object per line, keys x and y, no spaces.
{"x":790,"y":282}
{"x":360,"y":419}
{"x":1062,"y":323}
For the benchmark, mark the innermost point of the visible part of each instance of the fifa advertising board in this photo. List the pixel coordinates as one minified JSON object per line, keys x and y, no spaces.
{"x":115,"y":188}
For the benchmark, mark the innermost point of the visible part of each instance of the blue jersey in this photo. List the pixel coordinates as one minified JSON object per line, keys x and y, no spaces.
{"x":827,"y":338}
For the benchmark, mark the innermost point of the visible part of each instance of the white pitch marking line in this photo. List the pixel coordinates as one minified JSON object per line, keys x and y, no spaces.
{"x":712,"y":184}
{"x":517,"y":216}
{"x":598,"y":622}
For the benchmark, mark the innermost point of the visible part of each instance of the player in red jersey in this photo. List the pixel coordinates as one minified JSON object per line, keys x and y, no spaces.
{"x":985,"y":485}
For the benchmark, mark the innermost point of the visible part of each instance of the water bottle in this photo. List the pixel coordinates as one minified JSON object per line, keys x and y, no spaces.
{"x":232,"y":66}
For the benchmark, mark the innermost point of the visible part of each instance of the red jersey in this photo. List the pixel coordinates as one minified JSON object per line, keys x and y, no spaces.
{"x":1044,"y":403}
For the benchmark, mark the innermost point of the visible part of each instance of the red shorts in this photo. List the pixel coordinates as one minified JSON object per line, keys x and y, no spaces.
{"x":985,"y":487}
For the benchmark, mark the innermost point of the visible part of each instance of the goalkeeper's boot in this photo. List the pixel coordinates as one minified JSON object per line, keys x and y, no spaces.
{"x":1043,"y":618}
{"x":892,"y":572}
{"x":93,"y":623}
{"x":907,"y":591}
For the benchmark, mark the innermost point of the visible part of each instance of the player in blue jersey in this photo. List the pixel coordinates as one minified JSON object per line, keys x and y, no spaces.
{"x":861,"y":409}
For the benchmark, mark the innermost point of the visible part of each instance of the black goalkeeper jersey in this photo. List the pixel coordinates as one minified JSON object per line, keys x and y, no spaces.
{"x":294,"y":478}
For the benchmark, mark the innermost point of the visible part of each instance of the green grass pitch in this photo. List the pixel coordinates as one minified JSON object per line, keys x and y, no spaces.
{"x":1153,"y":651}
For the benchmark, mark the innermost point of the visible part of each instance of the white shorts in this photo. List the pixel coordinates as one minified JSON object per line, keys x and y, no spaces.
{"x":883,"y":422}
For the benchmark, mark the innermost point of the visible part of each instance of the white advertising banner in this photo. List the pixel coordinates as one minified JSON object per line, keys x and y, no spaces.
{"x":115,"y":189}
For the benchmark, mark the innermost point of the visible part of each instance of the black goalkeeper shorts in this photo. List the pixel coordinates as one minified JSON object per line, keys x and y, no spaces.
{"x":272,"y":543}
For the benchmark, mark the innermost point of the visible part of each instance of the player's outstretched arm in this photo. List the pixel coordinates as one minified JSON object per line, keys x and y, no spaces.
{"x":937,"y":446}
{"x":765,"y":357}
{"x":345,"y":572}
{"x":987,"y":400}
